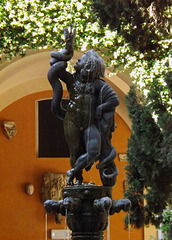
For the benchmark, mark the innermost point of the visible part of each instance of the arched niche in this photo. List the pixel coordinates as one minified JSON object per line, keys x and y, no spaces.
{"x":28,"y":75}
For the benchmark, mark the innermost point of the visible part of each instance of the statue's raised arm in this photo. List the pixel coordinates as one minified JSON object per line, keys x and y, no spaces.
{"x":58,"y":71}
{"x":67,"y":53}
{"x":69,"y":39}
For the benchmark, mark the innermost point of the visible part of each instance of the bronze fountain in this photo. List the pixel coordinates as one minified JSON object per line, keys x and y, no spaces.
{"x":88,"y":126}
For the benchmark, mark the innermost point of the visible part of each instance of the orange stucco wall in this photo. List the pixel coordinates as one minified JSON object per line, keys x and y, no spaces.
{"x":23,"y":216}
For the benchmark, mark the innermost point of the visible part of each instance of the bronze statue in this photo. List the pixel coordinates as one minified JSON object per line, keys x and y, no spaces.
{"x":89,"y":117}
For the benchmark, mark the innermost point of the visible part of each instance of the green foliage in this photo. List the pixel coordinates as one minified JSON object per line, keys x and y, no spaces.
{"x":150,"y":157}
{"x":144,"y":24}
{"x":166,"y":224}
{"x":37,"y":24}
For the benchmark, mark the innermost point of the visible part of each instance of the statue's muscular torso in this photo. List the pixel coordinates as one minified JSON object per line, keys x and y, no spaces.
{"x":81,"y":107}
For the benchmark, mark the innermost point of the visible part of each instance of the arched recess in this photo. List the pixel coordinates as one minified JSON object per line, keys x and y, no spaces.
{"x":29,"y":75}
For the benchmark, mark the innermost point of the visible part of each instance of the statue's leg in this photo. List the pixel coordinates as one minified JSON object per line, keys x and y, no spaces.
{"x":92,"y":142}
{"x":75,"y":142}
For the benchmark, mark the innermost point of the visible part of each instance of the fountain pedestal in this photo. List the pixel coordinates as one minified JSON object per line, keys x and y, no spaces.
{"x":86,"y":218}
{"x":87,"y":208}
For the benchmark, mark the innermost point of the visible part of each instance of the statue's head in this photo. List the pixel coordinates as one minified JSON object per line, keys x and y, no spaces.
{"x":91,"y":66}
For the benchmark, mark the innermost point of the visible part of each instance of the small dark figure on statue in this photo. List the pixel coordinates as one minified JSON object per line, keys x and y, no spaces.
{"x":89,"y":117}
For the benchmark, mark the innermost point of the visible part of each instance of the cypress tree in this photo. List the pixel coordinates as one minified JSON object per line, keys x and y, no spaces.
{"x":149,"y":155}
